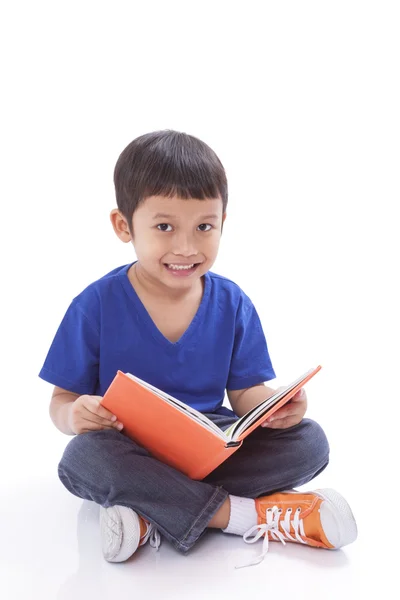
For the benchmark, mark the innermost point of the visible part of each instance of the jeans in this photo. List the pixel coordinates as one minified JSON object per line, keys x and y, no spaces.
{"x":108,"y":468}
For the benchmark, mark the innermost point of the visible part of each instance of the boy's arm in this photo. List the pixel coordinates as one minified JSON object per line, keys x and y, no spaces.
{"x":244,"y":400}
{"x":60,"y":405}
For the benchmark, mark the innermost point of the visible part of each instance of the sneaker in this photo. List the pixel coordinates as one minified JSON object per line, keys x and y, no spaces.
{"x":122,"y":531}
{"x":322,"y":519}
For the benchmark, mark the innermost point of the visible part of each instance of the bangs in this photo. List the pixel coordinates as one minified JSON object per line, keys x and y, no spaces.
{"x":183,"y":177}
{"x":168,"y":163}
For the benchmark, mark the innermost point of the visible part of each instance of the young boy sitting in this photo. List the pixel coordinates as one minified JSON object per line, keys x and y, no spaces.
{"x":193,"y":334}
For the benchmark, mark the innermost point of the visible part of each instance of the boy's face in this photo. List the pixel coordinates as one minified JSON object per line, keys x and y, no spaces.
{"x":176,"y":241}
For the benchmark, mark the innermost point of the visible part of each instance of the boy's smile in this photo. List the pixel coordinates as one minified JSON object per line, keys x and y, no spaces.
{"x":181,"y":269}
{"x":176,"y":240}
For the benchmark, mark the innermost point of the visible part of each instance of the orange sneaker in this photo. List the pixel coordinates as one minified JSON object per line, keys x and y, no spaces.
{"x":122,"y":531}
{"x":322,"y":519}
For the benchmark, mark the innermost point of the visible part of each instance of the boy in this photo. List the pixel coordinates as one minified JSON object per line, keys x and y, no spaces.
{"x":170,"y":321}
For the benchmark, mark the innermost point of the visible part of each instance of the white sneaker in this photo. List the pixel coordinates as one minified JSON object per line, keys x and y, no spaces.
{"x":122,"y":531}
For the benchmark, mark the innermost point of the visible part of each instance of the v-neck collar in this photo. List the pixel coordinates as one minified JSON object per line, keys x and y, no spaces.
{"x":148,"y":321}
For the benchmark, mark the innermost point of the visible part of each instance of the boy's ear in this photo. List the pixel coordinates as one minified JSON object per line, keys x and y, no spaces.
{"x":120,"y":226}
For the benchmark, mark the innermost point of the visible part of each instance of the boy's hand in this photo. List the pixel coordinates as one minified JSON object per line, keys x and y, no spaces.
{"x":290,"y":414}
{"x":87,"y":414}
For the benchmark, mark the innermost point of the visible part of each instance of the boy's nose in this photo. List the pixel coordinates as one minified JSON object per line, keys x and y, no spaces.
{"x":184,"y":245}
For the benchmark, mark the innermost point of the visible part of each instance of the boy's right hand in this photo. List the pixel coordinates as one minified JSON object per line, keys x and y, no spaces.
{"x":87,"y":414}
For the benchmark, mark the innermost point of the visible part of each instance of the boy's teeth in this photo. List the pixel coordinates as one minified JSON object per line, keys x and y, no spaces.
{"x":180,"y":267}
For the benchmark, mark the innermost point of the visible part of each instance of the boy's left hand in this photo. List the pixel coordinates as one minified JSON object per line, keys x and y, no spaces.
{"x":290,"y":414}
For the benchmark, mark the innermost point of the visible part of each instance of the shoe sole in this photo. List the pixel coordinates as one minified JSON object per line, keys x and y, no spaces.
{"x":343,"y":515}
{"x":120,"y":532}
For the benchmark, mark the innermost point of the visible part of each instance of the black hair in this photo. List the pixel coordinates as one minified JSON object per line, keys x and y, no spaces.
{"x":167,"y":163}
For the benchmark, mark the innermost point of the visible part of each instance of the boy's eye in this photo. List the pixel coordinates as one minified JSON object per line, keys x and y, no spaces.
{"x":163,"y":227}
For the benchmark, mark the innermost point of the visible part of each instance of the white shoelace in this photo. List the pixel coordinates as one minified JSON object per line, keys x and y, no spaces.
{"x":272,"y":525}
{"x":152,"y":534}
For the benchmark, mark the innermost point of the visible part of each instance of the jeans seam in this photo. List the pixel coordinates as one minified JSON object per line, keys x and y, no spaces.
{"x":213,"y":497}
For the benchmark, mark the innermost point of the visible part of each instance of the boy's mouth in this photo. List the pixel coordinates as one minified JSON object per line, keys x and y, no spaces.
{"x":181,"y":269}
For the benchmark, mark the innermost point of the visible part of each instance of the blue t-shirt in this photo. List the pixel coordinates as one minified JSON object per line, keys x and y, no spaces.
{"x":107,"y":328}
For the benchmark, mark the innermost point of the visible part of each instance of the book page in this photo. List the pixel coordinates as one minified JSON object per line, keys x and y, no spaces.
{"x":182,"y":407}
{"x":261,"y":409}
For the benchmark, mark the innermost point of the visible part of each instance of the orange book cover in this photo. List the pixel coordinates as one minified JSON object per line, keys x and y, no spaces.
{"x":174,"y":437}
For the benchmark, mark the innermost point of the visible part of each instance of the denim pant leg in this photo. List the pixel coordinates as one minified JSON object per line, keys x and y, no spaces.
{"x":108,"y":468}
{"x":272,"y":460}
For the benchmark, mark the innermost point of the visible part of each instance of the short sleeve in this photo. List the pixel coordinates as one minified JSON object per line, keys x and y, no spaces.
{"x":250,"y":363}
{"x":73,"y":359}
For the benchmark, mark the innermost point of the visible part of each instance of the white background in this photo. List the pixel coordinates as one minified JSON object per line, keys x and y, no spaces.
{"x":300,"y":100}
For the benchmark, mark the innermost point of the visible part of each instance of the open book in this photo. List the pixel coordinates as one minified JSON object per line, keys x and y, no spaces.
{"x":179,"y":435}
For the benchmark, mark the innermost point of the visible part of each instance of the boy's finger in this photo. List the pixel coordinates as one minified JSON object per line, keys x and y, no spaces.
{"x":96,"y":408}
{"x":281,"y":423}
{"x":283,"y":414}
{"x":300,"y":395}
{"x":91,"y":427}
{"x":103,"y":423}
{"x":96,"y":418}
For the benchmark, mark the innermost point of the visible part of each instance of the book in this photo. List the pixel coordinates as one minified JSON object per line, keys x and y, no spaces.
{"x":178,"y":434}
